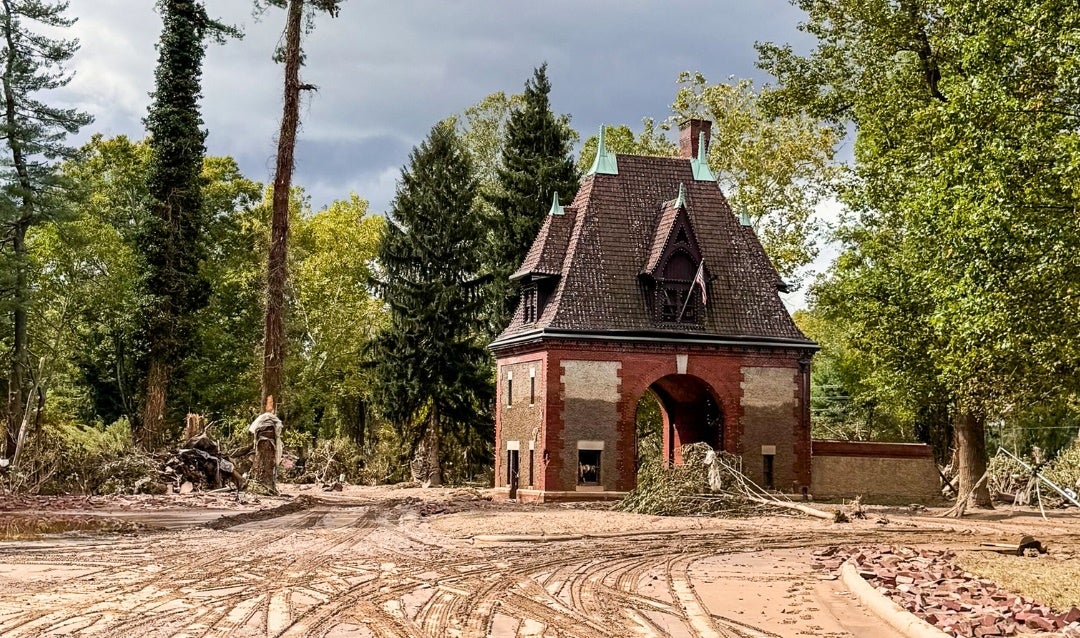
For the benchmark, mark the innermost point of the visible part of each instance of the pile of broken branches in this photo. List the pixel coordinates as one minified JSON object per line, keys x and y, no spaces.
{"x":200,"y":465}
{"x":707,"y":483}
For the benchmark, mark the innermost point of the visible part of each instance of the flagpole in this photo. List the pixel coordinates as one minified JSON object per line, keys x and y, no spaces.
{"x":687,"y":302}
{"x":693,"y":283}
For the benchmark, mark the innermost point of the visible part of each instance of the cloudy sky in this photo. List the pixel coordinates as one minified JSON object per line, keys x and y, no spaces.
{"x":388,"y":70}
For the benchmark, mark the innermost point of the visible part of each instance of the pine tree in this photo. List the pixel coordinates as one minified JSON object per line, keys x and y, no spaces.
{"x":172,"y":239}
{"x":33,"y":133}
{"x":432,"y":368}
{"x":536,"y":164}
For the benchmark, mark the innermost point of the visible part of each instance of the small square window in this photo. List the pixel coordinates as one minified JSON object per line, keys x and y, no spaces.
{"x":589,"y":467}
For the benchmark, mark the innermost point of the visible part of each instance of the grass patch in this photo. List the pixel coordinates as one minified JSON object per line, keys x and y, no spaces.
{"x":1049,"y":581}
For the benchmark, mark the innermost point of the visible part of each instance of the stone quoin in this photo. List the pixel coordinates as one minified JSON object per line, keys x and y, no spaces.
{"x":648,"y":282}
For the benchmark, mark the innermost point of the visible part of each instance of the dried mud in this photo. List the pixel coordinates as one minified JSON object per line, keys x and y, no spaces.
{"x":375,"y":562}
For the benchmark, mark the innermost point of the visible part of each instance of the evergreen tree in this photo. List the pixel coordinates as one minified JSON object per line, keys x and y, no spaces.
{"x":172,"y":239}
{"x":33,"y":134}
{"x":430,"y":359}
{"x":536,"y":164}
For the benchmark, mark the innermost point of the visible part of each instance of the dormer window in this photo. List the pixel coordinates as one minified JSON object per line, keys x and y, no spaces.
{"x":529,"y":304}
{"x":673,"y":288}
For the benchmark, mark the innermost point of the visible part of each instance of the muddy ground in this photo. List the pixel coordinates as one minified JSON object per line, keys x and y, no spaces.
{"x":406,"y":562}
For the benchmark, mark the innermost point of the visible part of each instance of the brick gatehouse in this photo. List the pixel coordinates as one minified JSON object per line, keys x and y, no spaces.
{"x":647,"y":282}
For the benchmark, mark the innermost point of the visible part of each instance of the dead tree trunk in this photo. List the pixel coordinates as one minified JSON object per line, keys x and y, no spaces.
{"x":277,"y":273}
{"x":277,"y":268}
{"x":970,"y":432}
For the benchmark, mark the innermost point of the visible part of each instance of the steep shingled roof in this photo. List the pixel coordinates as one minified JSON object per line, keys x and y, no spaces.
{"x":610,"y":232}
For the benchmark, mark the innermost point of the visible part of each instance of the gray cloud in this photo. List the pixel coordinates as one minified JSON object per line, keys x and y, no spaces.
{"x":387,"y":71}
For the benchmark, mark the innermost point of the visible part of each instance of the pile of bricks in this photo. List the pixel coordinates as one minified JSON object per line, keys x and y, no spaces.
{"x":926,"y":583}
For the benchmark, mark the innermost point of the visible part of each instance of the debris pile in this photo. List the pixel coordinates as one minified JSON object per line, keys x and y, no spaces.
{"x":200,"y":464}
{"x":707,"y":483}
{"x":928,"y":584}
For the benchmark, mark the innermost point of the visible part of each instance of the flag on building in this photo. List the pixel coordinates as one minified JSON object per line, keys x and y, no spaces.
{"x":699,"y":279}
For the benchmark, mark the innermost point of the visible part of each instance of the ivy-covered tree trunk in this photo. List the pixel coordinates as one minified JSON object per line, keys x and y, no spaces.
{"x":970,"y":433}
{"x":173,"y":239}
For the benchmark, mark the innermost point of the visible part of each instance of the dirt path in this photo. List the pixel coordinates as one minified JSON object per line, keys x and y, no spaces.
{"x":372,"y":565}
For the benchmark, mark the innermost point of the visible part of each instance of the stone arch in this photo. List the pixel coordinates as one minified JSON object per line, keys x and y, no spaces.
{"x":692,"y":412}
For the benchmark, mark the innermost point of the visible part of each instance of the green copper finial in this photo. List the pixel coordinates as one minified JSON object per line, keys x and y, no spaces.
{"x":605,"y":163}
{"x":556,"y":209}
{"x":680,"y":202}
{"x":700,"y":164}
{"x":744,"y":217}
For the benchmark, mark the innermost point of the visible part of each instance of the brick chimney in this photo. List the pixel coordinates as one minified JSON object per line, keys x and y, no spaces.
{"x":689,"y":134}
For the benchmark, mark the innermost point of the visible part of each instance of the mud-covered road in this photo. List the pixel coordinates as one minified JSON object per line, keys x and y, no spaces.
{"x":378,"y":566}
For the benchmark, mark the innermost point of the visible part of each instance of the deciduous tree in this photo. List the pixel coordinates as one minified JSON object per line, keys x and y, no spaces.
{"x":959,"y":269}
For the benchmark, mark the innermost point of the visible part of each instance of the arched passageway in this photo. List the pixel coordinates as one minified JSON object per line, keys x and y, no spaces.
{"x":688,"y":413}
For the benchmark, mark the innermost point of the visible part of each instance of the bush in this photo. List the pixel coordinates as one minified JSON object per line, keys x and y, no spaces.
{"x":70,"y":458}
{"x":1064,"y":470}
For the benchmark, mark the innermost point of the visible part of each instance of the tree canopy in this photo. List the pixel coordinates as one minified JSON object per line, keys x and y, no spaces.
{"x":959,"y":269}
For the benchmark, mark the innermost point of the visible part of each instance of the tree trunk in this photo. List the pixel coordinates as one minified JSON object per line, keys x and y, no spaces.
{"x":429,"y":451}
{"x":277,"y":272}
{"x":970,"y":432}
{"x":19,"y":374}
{"x":151,"y":432}
{"x":264,"y":468}
{"x":277,"y":265}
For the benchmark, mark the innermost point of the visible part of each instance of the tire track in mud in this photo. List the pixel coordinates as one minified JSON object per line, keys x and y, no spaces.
{"x":142,"y":600}
{"x":368,"y":565}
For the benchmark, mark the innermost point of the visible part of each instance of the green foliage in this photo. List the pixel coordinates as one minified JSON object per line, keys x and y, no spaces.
{"x":849,"y":400}
{"x":333,"y":318}
{"x":1064,"y":470}
{"x":217,"y":378}
{"x":88,"y":274}
{"x":958,"y":279}
{"x":96,"y":459}
{"x":430,"y":360}
{"x":34,"y":134}
{"x":776,"y":167}
{"x":536,"y":164}
{"x":649,"y":430}
{"x":172,"y":238}
{"x":33,"y":63}
{"x":621,"y":139}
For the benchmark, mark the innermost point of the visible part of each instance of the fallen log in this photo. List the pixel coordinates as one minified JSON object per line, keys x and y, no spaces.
{"x":805,"y":509}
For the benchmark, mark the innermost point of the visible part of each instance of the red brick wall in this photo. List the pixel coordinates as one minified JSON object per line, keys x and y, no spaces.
{"x":785,"y":425}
